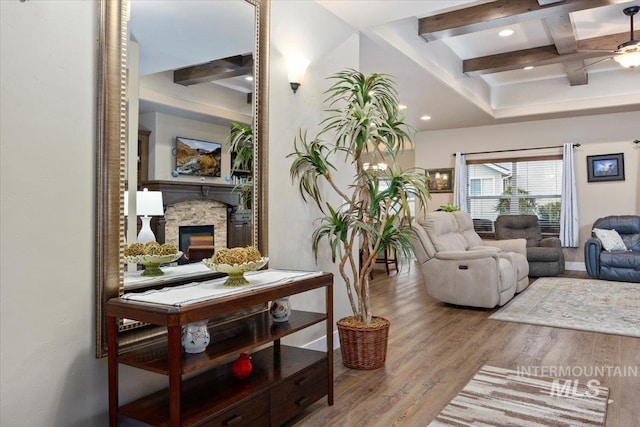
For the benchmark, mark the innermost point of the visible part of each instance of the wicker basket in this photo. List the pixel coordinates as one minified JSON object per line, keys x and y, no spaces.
{"x":363,"y":347}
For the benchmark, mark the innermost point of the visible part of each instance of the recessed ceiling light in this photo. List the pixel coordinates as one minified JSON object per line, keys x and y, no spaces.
{"x":528,"y":67}
{"x":425,"y":118}
{"x":505,"y":33}
{"x":402,"y":107}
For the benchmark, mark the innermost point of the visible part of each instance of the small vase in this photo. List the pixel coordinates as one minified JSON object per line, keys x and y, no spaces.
{"x":280,"y":310}
{"x":242,"y":367}
{"x":195,"y":337}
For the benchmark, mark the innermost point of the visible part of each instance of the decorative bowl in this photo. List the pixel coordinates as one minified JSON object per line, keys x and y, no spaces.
{"x":236,"y":271}
{"x":152,"y":262}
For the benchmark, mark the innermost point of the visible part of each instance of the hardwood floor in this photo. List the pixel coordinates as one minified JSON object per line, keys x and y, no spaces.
{"x":435,"y":348}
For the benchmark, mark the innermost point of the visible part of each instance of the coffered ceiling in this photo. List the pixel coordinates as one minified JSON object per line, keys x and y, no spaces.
{"x":446,"y":55}
{"x":451,"y":64}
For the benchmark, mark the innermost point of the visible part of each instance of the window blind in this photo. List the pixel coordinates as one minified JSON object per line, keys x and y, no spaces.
{"x":515,"y":186}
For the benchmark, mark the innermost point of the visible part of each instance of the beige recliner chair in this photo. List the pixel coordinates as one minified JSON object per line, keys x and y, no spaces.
{"x":460,"y":268}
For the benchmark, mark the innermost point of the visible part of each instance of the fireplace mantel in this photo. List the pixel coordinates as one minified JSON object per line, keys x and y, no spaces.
{"x":178,"y":191}
{"x":238,"y":223}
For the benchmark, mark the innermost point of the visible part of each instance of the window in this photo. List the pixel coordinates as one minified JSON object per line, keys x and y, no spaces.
{"x":519,"y":186}
{"x":481,"y":186}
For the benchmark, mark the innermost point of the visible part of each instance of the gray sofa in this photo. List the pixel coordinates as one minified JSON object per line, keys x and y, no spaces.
{"x":621,"y":266}
{"x":544,"y":255}
{"x":460,"y":268}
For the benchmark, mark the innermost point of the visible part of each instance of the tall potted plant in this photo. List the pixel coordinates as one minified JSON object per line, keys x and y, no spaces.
{"x":241,"y":146}
{"x":364,"y":124}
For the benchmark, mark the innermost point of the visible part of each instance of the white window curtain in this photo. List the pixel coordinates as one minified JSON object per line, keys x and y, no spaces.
{"x":569,"y":225}
{"x":460,"y":183}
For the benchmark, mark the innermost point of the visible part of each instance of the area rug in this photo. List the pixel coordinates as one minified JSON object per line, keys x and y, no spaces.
{"x":583,"y":304}
{"x":502,"y":397}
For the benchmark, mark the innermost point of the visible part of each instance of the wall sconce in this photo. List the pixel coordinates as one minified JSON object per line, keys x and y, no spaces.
{"x":297,"y":67}
{"x":148,"y":204}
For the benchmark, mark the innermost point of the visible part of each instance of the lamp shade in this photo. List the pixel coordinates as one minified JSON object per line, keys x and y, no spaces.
{"x":296,"y":66}
{"x":148,"y":203}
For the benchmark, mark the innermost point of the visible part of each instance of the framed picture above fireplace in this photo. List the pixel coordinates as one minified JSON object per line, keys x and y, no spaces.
{"x":197,"y":157}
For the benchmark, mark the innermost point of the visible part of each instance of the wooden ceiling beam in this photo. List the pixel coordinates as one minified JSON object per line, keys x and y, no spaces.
{"x":544,"y":55}
{"x":562,"y":33}
{"x":497,"y":14}
{"x":576,"y":73}
{"x":218,"y":69}
{"x":610,"y":41}
{"x":564,"y":37}
{"x":535,"y":57}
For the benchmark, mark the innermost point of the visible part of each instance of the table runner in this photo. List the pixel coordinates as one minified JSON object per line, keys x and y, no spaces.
{"x":196,"y":292}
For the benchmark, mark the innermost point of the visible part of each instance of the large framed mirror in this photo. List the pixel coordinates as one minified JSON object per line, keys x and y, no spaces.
{"x":125,"y":77}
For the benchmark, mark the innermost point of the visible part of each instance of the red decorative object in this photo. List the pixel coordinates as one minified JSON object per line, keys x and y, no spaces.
{"x":242,"y":367}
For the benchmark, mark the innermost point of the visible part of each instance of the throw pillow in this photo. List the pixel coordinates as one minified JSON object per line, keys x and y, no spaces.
{"x":611,"y":240}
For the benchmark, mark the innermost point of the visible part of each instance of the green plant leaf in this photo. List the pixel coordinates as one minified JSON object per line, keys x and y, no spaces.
{"x":363,"y":117}
{"x":241,"y":143}
{"x":310,"y":162}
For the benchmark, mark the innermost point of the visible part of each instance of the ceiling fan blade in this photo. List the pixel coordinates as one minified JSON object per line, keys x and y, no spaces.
{"x":593,"y":63}
{"x":631,"y":47}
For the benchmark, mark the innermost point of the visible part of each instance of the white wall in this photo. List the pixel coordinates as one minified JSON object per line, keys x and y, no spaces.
{"x":598,"y":134}
{"x":50,"y":376}
{"x":162,"y":142}
{"x":331,"y":46}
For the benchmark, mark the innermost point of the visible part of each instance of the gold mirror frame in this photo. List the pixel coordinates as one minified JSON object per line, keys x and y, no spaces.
{"x":110,"y":158}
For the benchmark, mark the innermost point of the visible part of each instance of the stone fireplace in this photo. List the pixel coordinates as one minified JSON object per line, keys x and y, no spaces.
{"x":196,"y":212}
{"x":194,"y":204}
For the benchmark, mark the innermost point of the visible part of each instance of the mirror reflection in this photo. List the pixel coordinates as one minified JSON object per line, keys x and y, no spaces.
{"x":190,"y":85}
{"x":174,"y":78}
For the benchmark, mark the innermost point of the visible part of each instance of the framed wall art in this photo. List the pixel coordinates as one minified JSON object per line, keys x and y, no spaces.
{"x":195,"y":157}
{"x":605,"y":167}
{"x":440,"y":180}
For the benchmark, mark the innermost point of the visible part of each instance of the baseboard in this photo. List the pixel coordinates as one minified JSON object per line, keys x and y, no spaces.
{"x":320,"y":344}
{"x":575,"y":266}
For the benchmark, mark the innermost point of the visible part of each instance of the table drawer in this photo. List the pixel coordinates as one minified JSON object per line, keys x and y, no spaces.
{"x":297,"y":392}
{"x":254,"y":413}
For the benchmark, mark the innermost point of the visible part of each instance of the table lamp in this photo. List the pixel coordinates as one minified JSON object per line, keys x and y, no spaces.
{"x":148,"y":204}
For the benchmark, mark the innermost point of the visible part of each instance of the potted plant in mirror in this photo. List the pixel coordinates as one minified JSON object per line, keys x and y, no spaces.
{"x":241,"y":148}
{"x":364,"y":124}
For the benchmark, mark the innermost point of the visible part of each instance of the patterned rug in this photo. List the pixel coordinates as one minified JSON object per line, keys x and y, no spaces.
{"x":583,"y":304}
{"x":502,"y":397}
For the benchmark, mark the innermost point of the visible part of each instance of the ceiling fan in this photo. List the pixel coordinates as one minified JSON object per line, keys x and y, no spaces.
{"x":628,"y":53}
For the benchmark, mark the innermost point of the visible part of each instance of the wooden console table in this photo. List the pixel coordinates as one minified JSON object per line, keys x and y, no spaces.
{"x":284,"y":381}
